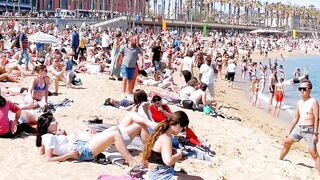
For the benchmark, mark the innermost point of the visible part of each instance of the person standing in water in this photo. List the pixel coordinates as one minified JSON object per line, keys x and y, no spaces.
{"x":278,"y":95}
{"x":305,"y":124}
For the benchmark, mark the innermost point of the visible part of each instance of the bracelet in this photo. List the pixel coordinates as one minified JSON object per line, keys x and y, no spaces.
{"x":316,"y":134}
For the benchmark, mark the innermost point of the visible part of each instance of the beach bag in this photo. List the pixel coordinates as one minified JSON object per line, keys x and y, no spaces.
{"x":188,"y":104}
{"x":207,"y":110}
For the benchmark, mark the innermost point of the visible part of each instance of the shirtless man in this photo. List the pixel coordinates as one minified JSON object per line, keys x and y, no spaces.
{"x":272,"y":83}
{"x":278,"y":95}
{"x":305,"y":124}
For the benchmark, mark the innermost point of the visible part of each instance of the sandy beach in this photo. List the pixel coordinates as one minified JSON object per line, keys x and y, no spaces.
{"x":244,"y":150}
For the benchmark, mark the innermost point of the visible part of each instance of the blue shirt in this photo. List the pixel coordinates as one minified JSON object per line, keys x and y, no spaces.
{"x":75,"y":40}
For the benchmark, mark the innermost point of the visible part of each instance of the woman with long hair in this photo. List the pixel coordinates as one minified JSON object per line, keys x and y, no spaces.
{"x":58,"y":146}
{"x":38,"y":90}
{"x":158,"y":154}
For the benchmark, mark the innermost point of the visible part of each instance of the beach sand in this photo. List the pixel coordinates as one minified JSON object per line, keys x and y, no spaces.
{"x":244,"y":150}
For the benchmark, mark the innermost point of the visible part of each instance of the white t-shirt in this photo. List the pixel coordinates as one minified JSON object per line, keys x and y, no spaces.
{"x":187,"y":63}
{"x":106,"y":40}
{"x":196,"y":96}
{"x":186,"y":92}
{"x":59,"y":143}
{"x":231,"y":68}
{"x":207,"y":74}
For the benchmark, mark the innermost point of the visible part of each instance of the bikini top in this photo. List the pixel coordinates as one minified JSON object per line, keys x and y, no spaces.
{"x":155,"y":157}
{"x":38,"y":88}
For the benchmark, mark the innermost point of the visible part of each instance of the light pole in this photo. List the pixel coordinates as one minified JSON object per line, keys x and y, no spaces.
{"x":191,"y":19}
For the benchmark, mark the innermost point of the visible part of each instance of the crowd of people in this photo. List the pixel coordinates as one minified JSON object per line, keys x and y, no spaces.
{"x":144,"y":57}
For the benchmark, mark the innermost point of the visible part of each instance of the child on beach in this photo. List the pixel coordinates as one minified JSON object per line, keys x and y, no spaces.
{"x":279,"y":94}
{"x":254,"y":89}
{"x":68,"y":65}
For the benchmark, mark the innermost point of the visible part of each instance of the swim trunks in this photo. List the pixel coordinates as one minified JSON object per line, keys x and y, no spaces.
{"x":305,"y":132}
{"x":278,"y":96}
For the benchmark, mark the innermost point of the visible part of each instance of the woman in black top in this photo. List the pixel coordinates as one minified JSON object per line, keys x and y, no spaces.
{"x":158,"y":154}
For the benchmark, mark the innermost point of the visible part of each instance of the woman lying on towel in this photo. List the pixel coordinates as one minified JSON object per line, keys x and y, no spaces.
{"x":161,"y":112}
{"x":158,"y":153}
{"x":58,"y":146}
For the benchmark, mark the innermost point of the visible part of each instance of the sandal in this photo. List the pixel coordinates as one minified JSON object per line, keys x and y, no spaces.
{"x":112,"y":78}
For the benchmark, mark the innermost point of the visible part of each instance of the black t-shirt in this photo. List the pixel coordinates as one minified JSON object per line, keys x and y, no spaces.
{"x":156,"y":53}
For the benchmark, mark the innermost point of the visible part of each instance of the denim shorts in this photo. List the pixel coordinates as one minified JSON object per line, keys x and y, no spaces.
{"x":161,"y":173}
{"x":157,"y":66}
{"x":127,"y":72}
{"x":305,"y":132}
{"x":85,"y":153}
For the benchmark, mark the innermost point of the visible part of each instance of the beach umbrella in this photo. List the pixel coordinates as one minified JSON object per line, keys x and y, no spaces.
{"x":41,"y":37}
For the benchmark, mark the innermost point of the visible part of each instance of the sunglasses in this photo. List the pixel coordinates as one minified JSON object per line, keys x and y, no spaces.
{"x":302,"y":88}
{"x":44,"y":70}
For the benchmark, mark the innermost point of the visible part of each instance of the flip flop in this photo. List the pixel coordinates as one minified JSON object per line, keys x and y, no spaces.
{"x":112,"y":78}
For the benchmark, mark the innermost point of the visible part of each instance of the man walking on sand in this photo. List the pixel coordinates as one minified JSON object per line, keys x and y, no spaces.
{"x":128,"y":56}
{"x":305,"y":124}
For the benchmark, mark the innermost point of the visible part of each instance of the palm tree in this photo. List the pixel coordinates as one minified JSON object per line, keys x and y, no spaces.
{"x":169,"y":6}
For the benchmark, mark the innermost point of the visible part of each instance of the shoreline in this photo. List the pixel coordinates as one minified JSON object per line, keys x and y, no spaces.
{"x":259,"y":116}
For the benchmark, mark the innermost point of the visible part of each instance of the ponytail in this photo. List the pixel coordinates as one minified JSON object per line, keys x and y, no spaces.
{"x":162,"y":127}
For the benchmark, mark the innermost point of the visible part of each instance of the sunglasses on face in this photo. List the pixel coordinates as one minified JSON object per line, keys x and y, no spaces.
{"x":302,"y":88}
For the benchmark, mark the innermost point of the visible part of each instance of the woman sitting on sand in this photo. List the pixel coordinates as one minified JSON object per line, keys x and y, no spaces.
{"x":161,"y":112}
{"x":186,"y":92}
{"x":57,"y":71}
{"x":158,"y":153}
{"x":58,"y":146}
{"x":11,"y":127}
{"x":141,"y":105}
{"x":39,"y":89}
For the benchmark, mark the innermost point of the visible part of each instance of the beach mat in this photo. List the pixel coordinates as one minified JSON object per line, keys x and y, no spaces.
{"x":111,"y":177}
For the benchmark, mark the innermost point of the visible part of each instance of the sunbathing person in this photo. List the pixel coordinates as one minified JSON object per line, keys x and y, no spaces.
{"x":159,"y":155}
{"x":161,"y":112}
{"x":122,"y":104}
{"x":57,"y":146}
{"x":38,"y":90}
{"x":4,"y":76}
{"x":13,"y":91}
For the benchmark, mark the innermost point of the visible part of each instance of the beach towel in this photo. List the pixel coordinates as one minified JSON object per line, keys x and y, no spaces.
{"x":170,"y":99}
{"x":111,"y":177}
{"x":189,"y":150}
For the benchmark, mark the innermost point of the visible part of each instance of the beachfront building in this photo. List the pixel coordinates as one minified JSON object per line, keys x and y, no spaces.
{"x":15,"y":5}
{"x":121,"y":6}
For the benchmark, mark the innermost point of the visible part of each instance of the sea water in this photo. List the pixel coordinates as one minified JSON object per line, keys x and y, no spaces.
{"x":292,"y":95}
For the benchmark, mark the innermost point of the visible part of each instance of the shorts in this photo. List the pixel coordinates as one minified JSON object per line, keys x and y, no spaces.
{"x":161,"y":172}
{"x":127,"y":72}
{"x":305,"y":132}
{"x":272,"y":89}
{"x":231,"y":76}
{"x":22,"y":120}
{"x":157,"y":66}
{"x":85,"y":153}
{"x":278,"y":96}
{"x":126,"y":138}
